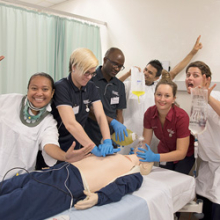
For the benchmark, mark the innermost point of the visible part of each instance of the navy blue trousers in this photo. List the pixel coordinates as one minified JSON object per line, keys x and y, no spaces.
{"x":40,"y":195}
{"x":211,"y":210}
{"x":183,"y":166}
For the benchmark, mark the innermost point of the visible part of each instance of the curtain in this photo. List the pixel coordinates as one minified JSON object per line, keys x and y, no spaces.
{"x":37,"y":42}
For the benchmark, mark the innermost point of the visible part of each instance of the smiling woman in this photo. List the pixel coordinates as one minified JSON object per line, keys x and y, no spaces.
{"x":170,"y":125}
{"x":73,"y":98}
{"x":27,"y":126}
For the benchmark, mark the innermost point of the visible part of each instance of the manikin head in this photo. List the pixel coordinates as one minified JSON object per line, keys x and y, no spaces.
{"x":197,"y":74}
{"x":145,"y":167}
{"x":82,"y":66}
{"x":113,"y":62}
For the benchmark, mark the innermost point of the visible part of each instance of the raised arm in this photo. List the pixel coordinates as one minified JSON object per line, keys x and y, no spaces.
{"x":180,"y":66}
{"x":126,"y":75}
{"x":1,"y":58}
{"x":214,"y":103}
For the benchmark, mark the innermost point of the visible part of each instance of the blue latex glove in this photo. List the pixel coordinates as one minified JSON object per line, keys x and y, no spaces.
{"x":116,"y":145}
{"x":148,"y":155}
{"x":131,"y":151}
{"x":96,"y":151}
{"x":106,"y":147}
{"x":119,"y":129}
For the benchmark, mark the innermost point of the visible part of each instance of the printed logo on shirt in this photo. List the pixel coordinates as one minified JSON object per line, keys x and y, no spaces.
{"x":115,"y":92}
{"x":171,"y":132}
{"x":86,"y":102}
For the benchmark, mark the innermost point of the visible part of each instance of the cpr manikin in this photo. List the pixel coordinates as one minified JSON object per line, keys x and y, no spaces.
{"x":83,"y":184}
{"x":109,"y":168}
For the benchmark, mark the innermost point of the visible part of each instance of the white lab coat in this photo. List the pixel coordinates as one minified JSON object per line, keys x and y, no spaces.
{"x":19,"y":144}
{"x":208,"y":180}
{"x":134,"y":113}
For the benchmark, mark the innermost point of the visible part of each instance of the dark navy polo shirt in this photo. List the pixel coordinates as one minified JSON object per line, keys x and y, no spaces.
{"x":66,"y":93}
{"x":112,"y":93}
{"x":113,"y":97}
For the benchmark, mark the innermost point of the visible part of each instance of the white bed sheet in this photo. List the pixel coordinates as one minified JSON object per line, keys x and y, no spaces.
{"x":162,"y":193}
{"x":166,"y":192}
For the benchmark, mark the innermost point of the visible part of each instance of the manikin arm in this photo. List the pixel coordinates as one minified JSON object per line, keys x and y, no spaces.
{"x":126,"y":75}
{"x":112,"y":192}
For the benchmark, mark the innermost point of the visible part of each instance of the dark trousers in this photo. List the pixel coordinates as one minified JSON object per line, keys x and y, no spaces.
{"x":40,"y":195}
{"x":211,"y":210}
{"x":183,"y":166}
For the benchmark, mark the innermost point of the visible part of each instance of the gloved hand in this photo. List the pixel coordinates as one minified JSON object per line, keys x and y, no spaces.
{"x":119,"y":129}
{"x":90,"y":200}
{"x":96,"y":151}
{"x":131,"y":151}
{"x":148,"y":155}
{"x":106,"y":147}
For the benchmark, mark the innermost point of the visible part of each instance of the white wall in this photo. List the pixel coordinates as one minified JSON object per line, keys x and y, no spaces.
{"x":156,"y":29}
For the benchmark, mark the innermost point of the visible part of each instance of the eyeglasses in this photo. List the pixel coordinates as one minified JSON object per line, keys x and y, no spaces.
{"x":115,"y":65}
{"x":90,"y":74}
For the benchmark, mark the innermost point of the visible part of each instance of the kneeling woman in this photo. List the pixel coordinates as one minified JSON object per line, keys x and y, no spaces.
{"x":27,"y":126}
{"x":170,"y":125}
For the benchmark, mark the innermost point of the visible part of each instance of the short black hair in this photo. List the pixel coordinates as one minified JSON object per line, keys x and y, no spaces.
{"x":44,"y":75}
{"x":157,"y":65}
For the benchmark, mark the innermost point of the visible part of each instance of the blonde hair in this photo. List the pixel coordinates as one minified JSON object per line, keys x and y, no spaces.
{"x":83,"y":59}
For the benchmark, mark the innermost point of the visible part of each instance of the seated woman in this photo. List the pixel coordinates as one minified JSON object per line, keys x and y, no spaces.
{"x":170,"y":125}
{"x":91,"y":181}
{"x":27,"y":126}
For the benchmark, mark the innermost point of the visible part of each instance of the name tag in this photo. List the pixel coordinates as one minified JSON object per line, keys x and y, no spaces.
{"x":114,"y":100}
{"x":76,"y":110}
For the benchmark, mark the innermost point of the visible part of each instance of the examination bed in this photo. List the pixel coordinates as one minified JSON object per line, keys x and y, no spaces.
{"x":162,"y":193}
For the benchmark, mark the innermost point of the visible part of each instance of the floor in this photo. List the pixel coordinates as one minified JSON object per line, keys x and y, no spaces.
{"x":187,"y":216}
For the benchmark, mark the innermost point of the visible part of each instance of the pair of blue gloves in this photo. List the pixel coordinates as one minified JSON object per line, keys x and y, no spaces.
{"x":119,"y":129}
{"x":146,"y":155}
{"x":104,"y":149}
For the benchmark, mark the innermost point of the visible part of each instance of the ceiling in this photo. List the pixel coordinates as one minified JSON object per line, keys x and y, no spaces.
{"x":41,"y":3}
{"x":48,"y":5}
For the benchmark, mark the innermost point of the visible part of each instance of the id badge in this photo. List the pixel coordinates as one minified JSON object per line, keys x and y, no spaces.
{"x":114,"y":100}
{"x":76,"y":110}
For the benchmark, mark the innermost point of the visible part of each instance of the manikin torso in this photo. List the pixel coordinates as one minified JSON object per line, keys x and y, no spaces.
{"x":100,"y":171}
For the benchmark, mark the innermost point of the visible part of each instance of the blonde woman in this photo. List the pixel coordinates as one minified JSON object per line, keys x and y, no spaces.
{"x":74,"y":95}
